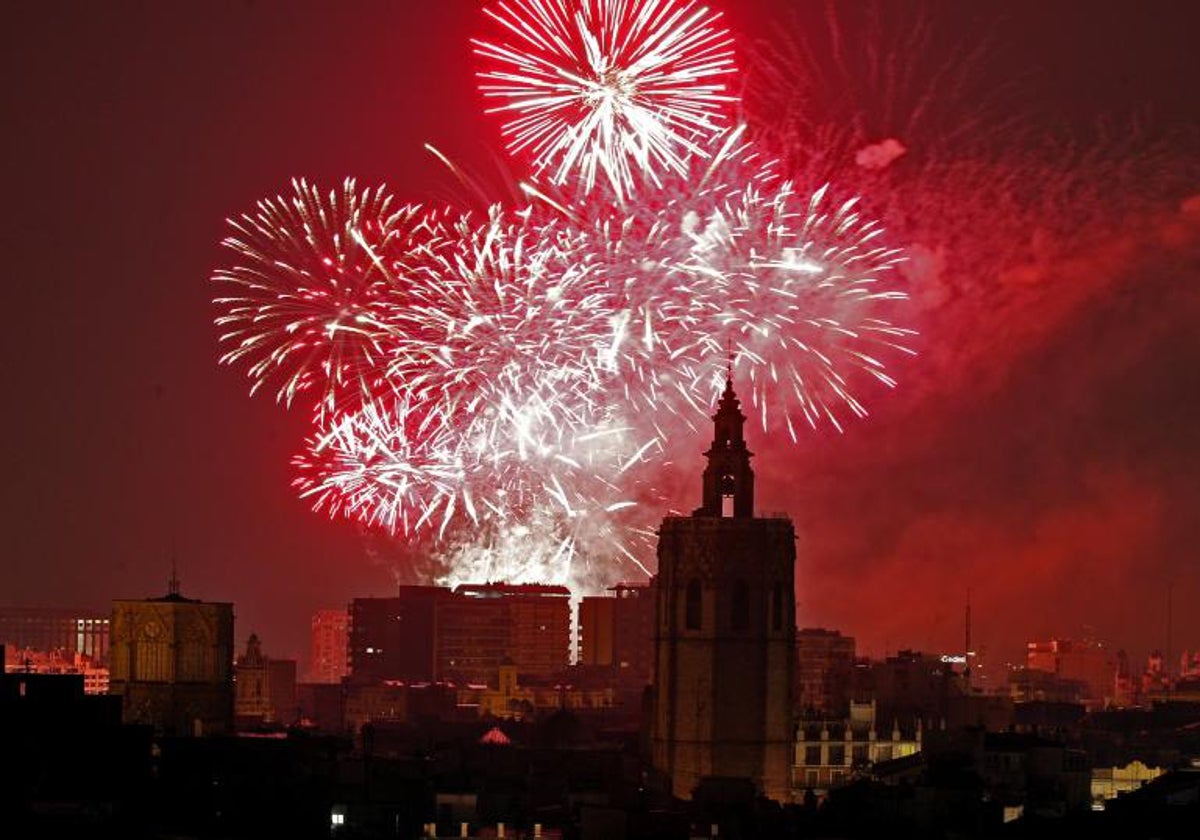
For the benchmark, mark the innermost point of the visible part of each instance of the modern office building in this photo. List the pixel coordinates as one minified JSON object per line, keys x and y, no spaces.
{"x":393,"y":638}
{"x":329,"y":654}
{"x":617,"y":632}
{"x":49,"y":629}
{"x":431,"y":633}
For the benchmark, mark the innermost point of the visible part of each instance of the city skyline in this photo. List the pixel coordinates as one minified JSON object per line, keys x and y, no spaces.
{"x":1042,"y":439}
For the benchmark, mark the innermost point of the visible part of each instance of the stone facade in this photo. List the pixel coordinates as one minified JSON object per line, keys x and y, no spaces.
{"x":171,"y":662}
{"x":725,"y":631}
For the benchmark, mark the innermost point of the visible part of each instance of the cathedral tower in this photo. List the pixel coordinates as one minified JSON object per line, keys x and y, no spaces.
{"x":171,"y":661}
{"x":725,"y":629}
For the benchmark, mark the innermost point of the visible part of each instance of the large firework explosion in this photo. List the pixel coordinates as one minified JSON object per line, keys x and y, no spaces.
{"x":616,"y":89}
{"x":495,"y":386}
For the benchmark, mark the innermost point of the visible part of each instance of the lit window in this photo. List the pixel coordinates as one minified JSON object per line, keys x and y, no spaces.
{"x":337,"y":819}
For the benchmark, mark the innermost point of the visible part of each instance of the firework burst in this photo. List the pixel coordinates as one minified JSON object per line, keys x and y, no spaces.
{"x":311,"y":294}
{"x":800,"y":290}
{"x":505,"y":325}
{"x":498,"y":374}
{"x":606,"y":89}
{"x":531,"y":512}
{"x":492,"y":385}
{"x":728,"y":255}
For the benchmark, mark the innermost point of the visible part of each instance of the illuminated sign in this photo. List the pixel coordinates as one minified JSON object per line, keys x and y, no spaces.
{"x":954,"y":659}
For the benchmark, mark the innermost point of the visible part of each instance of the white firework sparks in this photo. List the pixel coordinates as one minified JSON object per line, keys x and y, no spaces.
{"x":609,"y":88}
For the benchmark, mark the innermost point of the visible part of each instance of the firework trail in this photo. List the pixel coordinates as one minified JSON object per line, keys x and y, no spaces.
{"x":606,"y":88}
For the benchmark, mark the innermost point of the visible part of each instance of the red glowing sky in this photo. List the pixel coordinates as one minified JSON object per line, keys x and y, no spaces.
{"x":1042,"y":451}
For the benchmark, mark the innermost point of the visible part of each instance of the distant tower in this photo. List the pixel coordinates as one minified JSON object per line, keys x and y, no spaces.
{"x":171,"y":662}
{"x":725,"y":629}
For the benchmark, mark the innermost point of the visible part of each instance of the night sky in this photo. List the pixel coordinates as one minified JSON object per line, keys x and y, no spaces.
{"x":1042,"y":451}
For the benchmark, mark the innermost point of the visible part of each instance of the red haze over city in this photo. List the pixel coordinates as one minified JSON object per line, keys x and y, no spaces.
{"x":1040,"y":450}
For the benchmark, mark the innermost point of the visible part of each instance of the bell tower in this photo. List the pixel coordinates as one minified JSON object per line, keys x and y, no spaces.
{"x":725,"y":628}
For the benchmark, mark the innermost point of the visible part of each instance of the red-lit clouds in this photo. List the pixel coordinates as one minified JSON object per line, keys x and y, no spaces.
{"x":1042,"y":452}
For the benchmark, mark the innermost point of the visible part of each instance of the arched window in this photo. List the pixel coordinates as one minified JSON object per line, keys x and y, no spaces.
{"x":777,"y":607}
{"x":740,"y":619}
{"x":692,"y":615}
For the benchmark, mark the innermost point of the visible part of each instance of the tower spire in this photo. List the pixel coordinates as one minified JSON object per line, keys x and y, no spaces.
{"x":728,"y":477}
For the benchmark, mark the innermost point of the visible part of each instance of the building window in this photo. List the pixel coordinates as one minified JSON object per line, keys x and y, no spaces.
{"x":741,"y":605}
{"x":692,"y":616}
{"x":812,"y":756}
{"x":837,"y":755}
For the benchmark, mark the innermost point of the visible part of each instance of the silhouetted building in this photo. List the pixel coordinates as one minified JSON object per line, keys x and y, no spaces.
{"x":1086,"y":662}
{"x":172,"y":663}
{"x":616,"y":632}
{"x":49,"y":629}
{"x":322,"y":706}
{"x":67,"y":765}
{"x":1155,"y":679}
{"x":329,"y":653}
{"x":431,"y":634}
{"x":725,"y":618}
{"x":910,"y":684}
{"x":58,"y":661}
{"x":597,"y":631}
{"x":824,"y":672}
{"x":394,"y":638}
{"x":1127,"y":688}
{"x":473,"y":637}
{"x":1028,"y":685}
{"x":265,"y":688}
{"x":533,"y":623}
{"x":831,"y":753}
{"x":1189,"y":663}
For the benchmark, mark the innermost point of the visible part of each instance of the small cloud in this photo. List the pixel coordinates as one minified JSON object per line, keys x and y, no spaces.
{"x":880,"y":155}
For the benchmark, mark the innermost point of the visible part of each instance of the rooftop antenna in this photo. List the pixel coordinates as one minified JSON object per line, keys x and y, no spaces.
{"x":967,"y":646}
{"x":173,"y":583}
